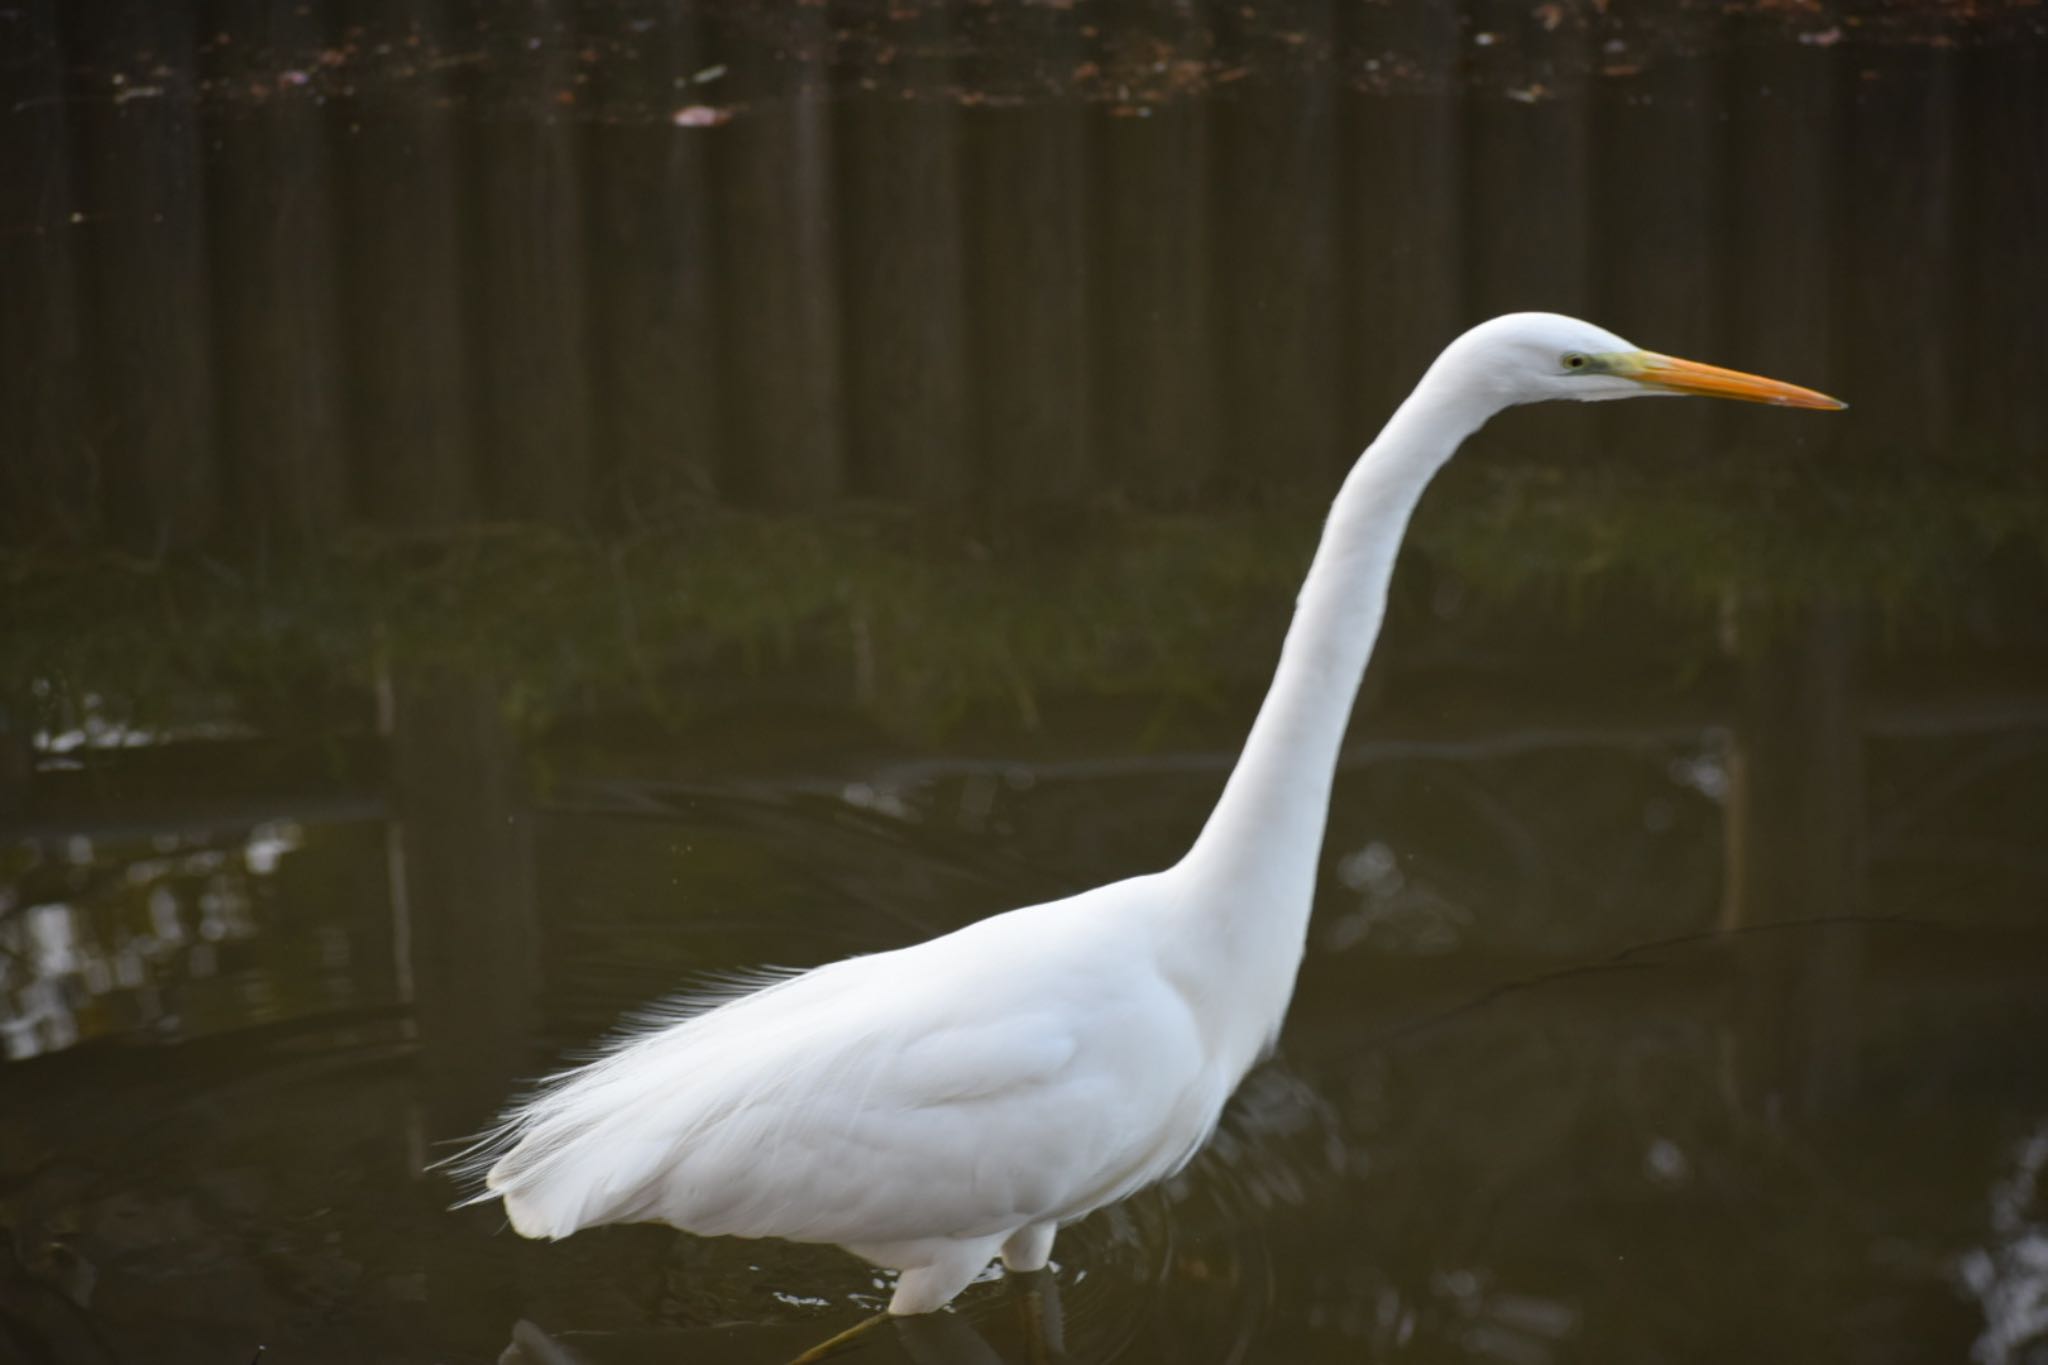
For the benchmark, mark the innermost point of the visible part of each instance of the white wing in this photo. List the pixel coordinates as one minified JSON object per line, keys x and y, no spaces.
{"x":1029,"y":1066}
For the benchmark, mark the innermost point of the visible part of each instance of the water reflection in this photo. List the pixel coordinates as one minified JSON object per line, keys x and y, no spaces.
{"x":2009,"y":1277}
{"x":133,"y":936}
{"x":1509,"y":1148}
{"x":1030,"y":1326}
{"x":1596,"y":992}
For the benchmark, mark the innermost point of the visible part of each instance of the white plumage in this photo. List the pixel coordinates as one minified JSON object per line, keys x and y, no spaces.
{"x":935,"y":1106}
{"x":893,"y":1129}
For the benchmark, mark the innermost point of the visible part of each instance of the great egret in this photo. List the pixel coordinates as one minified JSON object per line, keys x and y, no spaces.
{"x":936,"y":1106}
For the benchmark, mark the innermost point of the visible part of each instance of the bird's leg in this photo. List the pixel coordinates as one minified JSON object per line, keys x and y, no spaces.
{"x":838,"y":1342}
{"x":951,"y":1267}
{"x":920,"y":1289}
{"x":1038,"y":1295}
{"x":1029,"y":1248}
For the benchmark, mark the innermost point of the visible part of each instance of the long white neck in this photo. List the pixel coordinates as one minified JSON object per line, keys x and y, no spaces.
{"x":1252,"y":870}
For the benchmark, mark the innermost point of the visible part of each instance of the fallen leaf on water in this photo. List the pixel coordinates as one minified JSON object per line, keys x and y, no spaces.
{"x":699,"y":116}
{"x":1827,"y":37}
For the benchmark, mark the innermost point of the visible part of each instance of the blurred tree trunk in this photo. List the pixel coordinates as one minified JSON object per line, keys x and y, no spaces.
{"x":1404,"y":219}
{"x":1529,"y":186}
{"x":1277,"y":263}
{"x":143,"y":249}
{"x":1028,"y":194}
{"x":49,"y":482}
{"x":904,"y":278}
{"x":403,"y":305}
{"x":525,"y":271}
{"x":1155,"y":325}
{"x":1659,"y":177}
{"x":652,"y":261}
{"x":1900,"y":176}
{"x":276,"y":273}
{"x":1784,"y":136}
{"x":780,"y":303}
{"x":2002,"y":312}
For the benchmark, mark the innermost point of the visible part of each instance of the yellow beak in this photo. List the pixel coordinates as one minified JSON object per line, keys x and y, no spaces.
{"x":1689,"y":376}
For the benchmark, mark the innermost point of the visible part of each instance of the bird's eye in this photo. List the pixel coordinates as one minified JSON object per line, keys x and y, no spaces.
{"x":1575,"y":361}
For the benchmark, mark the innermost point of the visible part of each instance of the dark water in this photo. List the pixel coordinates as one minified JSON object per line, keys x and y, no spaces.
{"x":509,"y":509}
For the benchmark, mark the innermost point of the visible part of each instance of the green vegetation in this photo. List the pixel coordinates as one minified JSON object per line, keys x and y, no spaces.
{"x":1906,"y":541}
{"x":920,"y":622}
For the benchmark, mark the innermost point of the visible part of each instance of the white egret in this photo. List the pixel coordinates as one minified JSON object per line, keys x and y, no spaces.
{"x":936,"y":1106}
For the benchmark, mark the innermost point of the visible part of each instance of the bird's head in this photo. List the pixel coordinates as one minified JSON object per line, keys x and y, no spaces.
{"x":1538,"y":357}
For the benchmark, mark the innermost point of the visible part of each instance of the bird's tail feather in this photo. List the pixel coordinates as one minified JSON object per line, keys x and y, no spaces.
{"x":590,"y":1144}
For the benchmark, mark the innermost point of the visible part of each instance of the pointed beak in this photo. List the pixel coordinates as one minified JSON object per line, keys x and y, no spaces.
{"x":1689,"y":376}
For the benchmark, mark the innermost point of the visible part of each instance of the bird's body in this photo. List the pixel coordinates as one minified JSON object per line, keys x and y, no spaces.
{"x":933,"y":1106}
{"x":1072,"y":1029}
